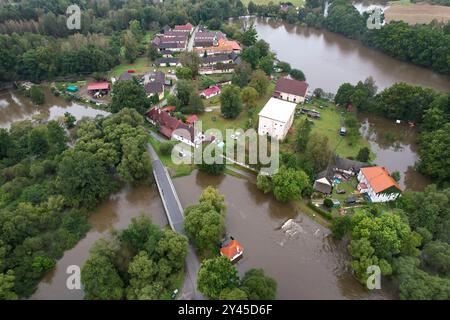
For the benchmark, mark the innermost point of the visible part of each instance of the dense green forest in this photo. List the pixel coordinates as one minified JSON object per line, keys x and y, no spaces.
{"x":141,"y":262}
{"x":48,"y":189}
{"x":35,"y":43}
{"x":423,"y":45}
{"x":409,"y":243}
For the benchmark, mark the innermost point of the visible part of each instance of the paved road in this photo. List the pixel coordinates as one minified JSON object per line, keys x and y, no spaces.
{"x":190,"y":46}
{"x":167,"y":192}
{"x":175,"y":215}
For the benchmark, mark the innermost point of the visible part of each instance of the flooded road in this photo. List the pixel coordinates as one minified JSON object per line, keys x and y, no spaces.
{"x":329,"y":60}
{"x":15,"y":107}
{"x":310,"y":265}
{"x":395,"y":148}
{"x":115,"y":213}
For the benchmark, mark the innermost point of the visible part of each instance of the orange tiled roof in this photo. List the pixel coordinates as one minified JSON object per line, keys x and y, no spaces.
{"x":379,"y":179}
{"x":233,"y":249}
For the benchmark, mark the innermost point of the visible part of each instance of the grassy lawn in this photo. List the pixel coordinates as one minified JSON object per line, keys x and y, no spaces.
{"x":349,"y":187}
{"x":174,"y":169}
{"x":215,"y":120}
{"x":141,"y":65}
{"x":329,"y":125}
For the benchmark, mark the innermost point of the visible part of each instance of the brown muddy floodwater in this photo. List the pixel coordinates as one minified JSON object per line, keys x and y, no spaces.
{"x":310,"y":265}
{"x":395,"y":148}
{"x":328,"y":59}
{"x":116,"y":213}
{"x":15,"y":107}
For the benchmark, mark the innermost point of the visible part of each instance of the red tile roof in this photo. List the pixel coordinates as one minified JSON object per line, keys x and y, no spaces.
{"x":192,"y":119}
{"x":210,"y":91}
{"x":233,"y":250}
{"x":379,"y":179}
{"x":186,"y":27}
{"x":291,"y":86}
{"x":169,"y":108}
{"x":169,"y":124}
{"x":98,"y":86}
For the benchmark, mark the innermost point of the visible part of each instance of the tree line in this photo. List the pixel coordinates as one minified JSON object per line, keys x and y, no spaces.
{"x":142,"y":262}
{"x":410,"y":244}
{"x":47,"y":189}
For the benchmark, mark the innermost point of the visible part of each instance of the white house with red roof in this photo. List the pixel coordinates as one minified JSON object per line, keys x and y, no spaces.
{"x":188,"y":28}
{"x":210,"y":92}
{"x":378,"y":184}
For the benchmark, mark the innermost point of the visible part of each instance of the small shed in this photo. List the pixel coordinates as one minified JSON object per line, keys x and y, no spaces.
{"x":323,"y":186}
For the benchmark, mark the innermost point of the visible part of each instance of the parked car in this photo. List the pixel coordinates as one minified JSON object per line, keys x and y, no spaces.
{"x":351,"y":200}
{"x":343,"y":131}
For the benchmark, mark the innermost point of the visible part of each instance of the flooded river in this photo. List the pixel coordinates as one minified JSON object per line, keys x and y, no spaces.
{"x":308,"y":266}
{"x":14,"y":107}
{"x":115,"y":213}
{"x":328,"y":59}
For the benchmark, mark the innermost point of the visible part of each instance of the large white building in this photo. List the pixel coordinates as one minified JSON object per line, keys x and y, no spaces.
{"x":276,"y":118}
{"x":378,"y":184}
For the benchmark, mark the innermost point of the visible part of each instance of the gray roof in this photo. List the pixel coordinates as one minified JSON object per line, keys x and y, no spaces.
{"x":154,"y":87}
{"x":322,"y":187}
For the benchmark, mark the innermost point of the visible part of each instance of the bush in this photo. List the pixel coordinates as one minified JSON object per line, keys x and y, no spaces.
{"x":166,"y":148}
{"x":37,"y":95}
{"x":328,"y":203}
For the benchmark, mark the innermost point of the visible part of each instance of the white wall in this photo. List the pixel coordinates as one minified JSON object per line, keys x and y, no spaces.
{"x":376,"y":197}
{"x":292,"y":97}
{"x":276,"y":129}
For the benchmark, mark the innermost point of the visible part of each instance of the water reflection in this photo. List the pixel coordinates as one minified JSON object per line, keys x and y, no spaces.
{"x":328,"y":59}
{"x":395,"y":148}
{"x":15,"y":107}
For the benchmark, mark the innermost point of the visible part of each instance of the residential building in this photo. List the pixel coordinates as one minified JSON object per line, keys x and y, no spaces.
{"x":223,"y":47}
{"x":173,"y":128}
{"x":276,"y":118}
{"x":168,"y":62}
{"x":291,"y":90}
{"x":215,"y":59}
{"x":153,"y":88}
{"x":187,"y":28}
{"x":210,"y":92}
{"x":323,"y":186}
{"x":125,"y":76}
{"x":378,"y":185}
{"x":98,"y":87}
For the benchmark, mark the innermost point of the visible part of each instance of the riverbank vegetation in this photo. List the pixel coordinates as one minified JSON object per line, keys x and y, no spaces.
{"x":141,"y":262}
{"x":205,"y":222}
{"x":409,"y":243}
{"x":48,"y":189}
{"x":218,"y":279}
